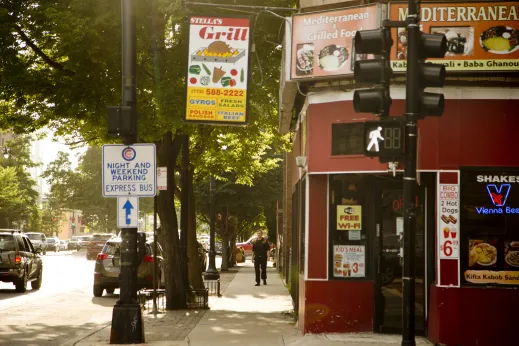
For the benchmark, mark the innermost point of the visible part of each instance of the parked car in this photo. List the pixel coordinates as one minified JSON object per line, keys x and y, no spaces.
{"x":96,"y":244}
{"x":20,"y":261}
{"x":73,"y":243}
{"x":202,"y":256}
{"x":63,"y":245}
{"x":38,"y":240}
{"x":107,"y":267}
{"x":53,"y":244}
{"x":84,"y":241}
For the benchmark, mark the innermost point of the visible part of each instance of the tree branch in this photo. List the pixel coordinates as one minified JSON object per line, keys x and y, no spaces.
{"x":54,"y":64}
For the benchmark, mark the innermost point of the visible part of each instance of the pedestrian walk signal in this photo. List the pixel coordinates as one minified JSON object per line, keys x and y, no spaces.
{"x":384,"y":139}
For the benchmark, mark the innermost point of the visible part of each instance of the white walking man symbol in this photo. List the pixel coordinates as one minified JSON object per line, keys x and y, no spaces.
{"x":375,"y":136}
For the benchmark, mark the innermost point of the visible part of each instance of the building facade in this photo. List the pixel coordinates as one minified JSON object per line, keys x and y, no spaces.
{"x":344,"y":211}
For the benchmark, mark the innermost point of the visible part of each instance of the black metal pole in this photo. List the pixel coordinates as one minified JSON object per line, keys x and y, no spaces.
{"x":412,"y":109}
{"x":212,"y":273}
{"x":127,"y":322}
{"x":184,"y":209}
{"x":155,"y":262}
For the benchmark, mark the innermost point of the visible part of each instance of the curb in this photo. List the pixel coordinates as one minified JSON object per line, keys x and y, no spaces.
{"x":85,"y":335}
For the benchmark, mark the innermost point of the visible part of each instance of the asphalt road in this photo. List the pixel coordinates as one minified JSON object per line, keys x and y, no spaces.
{"x":62,"y":309}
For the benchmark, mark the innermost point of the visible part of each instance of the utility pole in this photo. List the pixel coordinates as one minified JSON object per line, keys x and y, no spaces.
{"x":420,"y":75}
{"x":211,"y":272}
{"x":127,"y":322}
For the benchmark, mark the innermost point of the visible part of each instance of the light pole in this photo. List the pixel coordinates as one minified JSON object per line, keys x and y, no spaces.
{"x":211,"y":272}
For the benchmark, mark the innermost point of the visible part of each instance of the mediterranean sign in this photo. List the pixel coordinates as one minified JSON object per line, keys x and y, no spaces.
{"x":349,"y":217}
{"x":448,"y":217}
{"x":218,"y":70}
{"x":322,"y":42}
{"x":129,"y":170}
{"x":127,"y":212}
{"x":481,"y":36}
{"x":349,"y":261}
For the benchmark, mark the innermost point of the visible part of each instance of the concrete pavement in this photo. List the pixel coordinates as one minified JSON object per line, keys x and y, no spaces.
{"x":245,"y":315}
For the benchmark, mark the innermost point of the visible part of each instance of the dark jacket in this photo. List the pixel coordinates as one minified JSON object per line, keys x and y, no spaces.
{"x":260,"y":248}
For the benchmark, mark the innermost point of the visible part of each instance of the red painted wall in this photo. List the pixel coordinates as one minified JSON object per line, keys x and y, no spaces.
{"x":473,"y":316}
{"x":338,"y":306}
{"x":470,"y":133}
{"x":317,"y":230}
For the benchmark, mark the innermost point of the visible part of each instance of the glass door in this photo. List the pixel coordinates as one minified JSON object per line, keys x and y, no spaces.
{"x":388,"y":283}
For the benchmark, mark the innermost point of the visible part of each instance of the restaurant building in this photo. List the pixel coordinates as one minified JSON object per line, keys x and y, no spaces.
{"x":340,"y":243}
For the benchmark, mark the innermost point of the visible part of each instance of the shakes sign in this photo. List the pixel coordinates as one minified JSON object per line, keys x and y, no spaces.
{"x":218,"y":70}
{"x":482,"y":36}
{"x":322,"y":41}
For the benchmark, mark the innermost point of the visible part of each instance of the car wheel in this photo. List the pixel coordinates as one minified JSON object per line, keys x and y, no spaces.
{"x":110,"y":290}
{"x":36,"y":284}
{"x":21,"y":284}
{"x":98,"y":291}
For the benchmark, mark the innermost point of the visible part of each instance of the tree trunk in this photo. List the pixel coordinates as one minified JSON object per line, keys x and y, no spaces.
{"x":194,"y":268}
{"x":168,"y":150}
{"x":225,"y":241}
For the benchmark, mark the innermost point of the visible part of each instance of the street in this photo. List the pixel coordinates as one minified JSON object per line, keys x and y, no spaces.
{"x":62,"y":309}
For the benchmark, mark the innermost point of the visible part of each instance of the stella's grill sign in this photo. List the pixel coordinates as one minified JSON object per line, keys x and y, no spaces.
{"x":481,"y":36}
{"x":217,"y":75}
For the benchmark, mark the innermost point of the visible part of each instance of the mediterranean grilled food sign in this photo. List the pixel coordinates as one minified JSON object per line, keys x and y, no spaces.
{"x":322,"y":42}
{"x":481,"y":36}
{"x":217,"y":74}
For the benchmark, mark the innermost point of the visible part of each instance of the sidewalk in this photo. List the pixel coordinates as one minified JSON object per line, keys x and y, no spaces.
{"x":245,"y":315}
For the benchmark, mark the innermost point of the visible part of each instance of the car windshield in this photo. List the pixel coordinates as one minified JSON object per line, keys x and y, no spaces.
{"x":6,"y":242}
{"x":35,"y":236}
{"x":98,"y":237}
{"x":112,"y":249}
{"x":51,"y":240}
{"x":74,"y":238}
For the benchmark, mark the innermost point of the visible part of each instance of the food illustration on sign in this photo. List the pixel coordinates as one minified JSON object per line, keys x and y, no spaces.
{"x":481,"y":253}
{"x":218,"y":74}
{"x":449,"y":219}
{"x":218,"y":51}
{"x":511,"y":253}
{"x":401,"y":50}
{"x":305,"y":58}
{"x":500,"y":40}
{"x":512,"y":258}
{"x":332,"y":57}
{"x":460,"y":40}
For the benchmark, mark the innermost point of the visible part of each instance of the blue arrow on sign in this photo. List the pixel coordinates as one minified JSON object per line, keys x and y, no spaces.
{"x":128,"y":206}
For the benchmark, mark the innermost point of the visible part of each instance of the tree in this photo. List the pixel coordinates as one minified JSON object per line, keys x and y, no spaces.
{"x":24,"y":207}
{"x":45,"y":72}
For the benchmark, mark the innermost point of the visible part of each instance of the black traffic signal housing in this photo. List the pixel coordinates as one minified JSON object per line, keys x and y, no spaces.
{"x":376,"y":71}
{"x":121,"y":122}
{"x":431,"y":75}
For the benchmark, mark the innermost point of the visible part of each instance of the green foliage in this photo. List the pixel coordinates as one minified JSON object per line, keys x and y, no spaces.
{"x":19,"y":201}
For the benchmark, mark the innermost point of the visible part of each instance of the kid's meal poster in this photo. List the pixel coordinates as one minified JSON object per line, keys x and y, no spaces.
{"x":217,"y":74}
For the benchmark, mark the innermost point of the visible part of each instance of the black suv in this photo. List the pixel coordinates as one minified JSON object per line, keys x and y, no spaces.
{"x":19,"y":261}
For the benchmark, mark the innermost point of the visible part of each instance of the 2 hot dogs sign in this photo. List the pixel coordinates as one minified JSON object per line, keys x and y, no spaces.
{"x":218,"y":70}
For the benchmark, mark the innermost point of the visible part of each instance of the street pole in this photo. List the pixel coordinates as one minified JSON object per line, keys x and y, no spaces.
{"x":411,"y":116}
{"x":211,"y":272}
{"x":155,"y":262}
{"x":127,"y":322}
{"x":184,"y":214}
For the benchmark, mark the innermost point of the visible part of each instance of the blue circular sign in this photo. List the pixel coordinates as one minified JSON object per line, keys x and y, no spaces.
{"x":129,"y":154}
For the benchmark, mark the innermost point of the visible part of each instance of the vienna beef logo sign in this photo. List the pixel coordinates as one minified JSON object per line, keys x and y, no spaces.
{"x":498,"y":194}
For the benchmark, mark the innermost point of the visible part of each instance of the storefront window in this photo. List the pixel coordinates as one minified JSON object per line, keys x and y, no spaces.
{"x":348,"y":244}
{"x":490,"y":226}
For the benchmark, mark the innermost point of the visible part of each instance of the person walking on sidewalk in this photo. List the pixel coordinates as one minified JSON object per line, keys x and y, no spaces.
{"x":260,"y":255}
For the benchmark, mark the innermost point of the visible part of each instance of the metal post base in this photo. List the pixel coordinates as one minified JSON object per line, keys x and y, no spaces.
{"x":127,"y":325}
{"x":211,"y":274}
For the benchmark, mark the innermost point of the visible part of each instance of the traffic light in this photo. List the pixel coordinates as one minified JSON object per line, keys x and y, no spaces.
{"x":376,"y":71}
{"x":431,"y":75}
